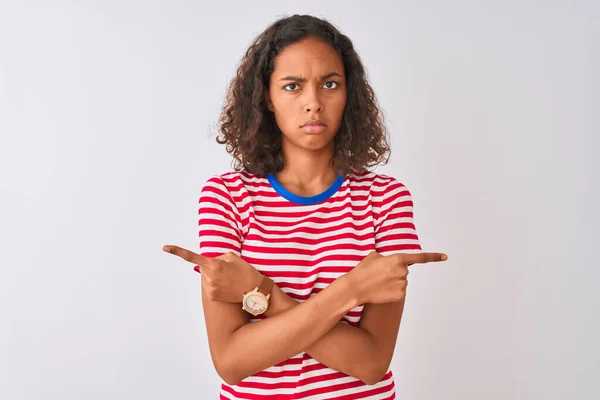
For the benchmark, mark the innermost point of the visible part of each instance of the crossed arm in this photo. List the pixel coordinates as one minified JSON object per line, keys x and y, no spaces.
{"x":240,"y":349}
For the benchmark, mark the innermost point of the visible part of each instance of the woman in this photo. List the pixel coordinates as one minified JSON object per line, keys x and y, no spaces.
{"x":304,"y":252}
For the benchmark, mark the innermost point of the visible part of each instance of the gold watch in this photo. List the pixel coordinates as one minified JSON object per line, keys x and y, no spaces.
{"x":256,"y":301}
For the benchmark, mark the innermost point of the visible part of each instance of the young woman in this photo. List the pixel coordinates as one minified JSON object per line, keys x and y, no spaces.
{"x":304,"y":252}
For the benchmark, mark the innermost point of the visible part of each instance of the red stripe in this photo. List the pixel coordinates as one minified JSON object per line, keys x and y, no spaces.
{"x":313,"y":242}
{"x":368,"y":393}
{"x":297,"y":372}
{"x":301,"y":214}
{"x":312,"y":230}
{"x":240,"y":395}
{"x":330,"y":389}
{"x":305,"y":263}
{"x":280,"y":222}
{"x":309,"y":251}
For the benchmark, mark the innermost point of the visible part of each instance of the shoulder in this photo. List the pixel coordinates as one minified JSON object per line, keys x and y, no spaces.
{"x":234,"y":181}
{"x":380,"y":185}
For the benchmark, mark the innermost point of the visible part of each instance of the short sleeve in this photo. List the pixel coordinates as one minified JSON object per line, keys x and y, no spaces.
{"x":395,"y":231}
{"x":219,"y":226}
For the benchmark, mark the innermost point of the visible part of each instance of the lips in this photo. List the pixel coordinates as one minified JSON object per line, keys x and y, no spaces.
{"x":314,"y":127}
{"x":313,"y":122}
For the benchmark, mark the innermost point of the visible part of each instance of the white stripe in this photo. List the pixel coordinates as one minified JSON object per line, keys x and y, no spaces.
{"x":325,"y":384}
{"x":323,"y":241}
{"x":358,"y":390}
{"x":305,"y":257}
{"x":344,"y":212}
{"x":212,"y":238}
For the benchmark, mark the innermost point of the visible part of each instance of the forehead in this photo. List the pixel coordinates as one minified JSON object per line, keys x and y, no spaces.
{"x":308,"y":57}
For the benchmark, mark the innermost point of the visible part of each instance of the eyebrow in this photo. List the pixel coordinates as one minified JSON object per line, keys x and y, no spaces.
{"x":298,"y":79}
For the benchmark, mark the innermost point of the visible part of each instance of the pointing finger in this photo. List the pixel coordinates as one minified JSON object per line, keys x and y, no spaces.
{"x":423,"y":258}
{"x":188,"y":255}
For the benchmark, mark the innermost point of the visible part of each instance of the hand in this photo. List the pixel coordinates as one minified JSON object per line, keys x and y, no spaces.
{"x":383,"y":279}
{"x":225,"y":278}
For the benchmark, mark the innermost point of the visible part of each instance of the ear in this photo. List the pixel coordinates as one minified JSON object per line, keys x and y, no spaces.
{"x":268,"y":100}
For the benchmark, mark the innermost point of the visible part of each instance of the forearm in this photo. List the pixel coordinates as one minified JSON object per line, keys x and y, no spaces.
{"x":344,"y":348}
{"x":286,"y":334}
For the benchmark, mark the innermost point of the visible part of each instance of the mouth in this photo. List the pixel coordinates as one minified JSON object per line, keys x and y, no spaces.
{"x":313,"y":126}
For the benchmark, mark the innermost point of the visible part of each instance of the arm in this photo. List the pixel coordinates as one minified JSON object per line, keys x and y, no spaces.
{"x":239,"y":349}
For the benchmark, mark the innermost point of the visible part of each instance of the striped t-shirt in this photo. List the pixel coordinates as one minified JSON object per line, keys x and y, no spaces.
{"x":304,"y":244}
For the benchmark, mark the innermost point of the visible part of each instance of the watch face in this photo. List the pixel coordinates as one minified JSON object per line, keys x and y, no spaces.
{"x":255,"y":303}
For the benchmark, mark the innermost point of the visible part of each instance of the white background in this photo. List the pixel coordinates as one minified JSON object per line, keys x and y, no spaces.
{"x":108,"y":114}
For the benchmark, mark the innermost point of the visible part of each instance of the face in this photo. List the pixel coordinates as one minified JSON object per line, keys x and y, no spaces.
{"x":307,"y":85}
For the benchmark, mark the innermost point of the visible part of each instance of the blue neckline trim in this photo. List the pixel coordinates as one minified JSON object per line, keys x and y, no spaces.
{"x":305,"y":200}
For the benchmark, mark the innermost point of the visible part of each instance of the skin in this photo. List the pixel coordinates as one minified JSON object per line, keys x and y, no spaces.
{"x":314,"y":325}
{"x":319,"y":93}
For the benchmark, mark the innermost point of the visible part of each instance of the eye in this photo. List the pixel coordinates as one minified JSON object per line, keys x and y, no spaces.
{"x":331,"y":83}
{"x":288,"y":85}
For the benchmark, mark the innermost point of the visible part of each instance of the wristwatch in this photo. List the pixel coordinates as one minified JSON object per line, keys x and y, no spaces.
{"x":256,"y":301}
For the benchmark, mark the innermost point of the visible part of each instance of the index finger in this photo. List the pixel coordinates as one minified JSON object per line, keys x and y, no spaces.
{"x":423,"y":258}
{"x":187,"y":255}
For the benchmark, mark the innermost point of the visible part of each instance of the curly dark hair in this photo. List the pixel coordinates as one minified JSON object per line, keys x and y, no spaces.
{"x":249,"y":129}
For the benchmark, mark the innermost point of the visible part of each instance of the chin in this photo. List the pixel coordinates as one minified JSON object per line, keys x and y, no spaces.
{"x":316,"y":145}
{"x":321,"y":137}
{"x":310,"y":141}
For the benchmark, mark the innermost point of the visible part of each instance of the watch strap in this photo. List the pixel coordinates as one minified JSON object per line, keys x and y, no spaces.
{"x":266,"y":284}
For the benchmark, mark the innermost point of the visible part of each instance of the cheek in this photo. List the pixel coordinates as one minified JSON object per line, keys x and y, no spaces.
{"x":342,"y":101}
{"x":336,"y":108}
{"x":287,"y":114}
{"x":285,"y":119}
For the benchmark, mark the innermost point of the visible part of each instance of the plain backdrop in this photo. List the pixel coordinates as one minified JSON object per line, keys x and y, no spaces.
{"x":108,"y":113}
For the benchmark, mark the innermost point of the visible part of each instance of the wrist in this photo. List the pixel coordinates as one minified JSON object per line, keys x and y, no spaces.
{"x":351,"y":286}
{"x":252,"y":281}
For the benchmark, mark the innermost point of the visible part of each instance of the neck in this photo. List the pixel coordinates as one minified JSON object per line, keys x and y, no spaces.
{"x":307,"y":172}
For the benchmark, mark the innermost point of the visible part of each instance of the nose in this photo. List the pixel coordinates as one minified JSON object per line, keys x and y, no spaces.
{"x":313,"y":102}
